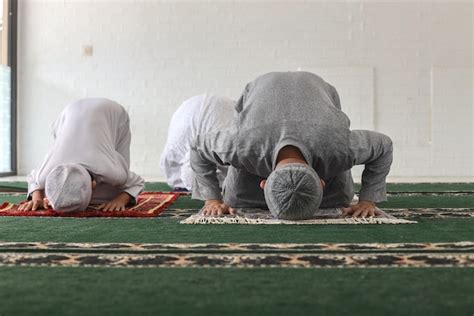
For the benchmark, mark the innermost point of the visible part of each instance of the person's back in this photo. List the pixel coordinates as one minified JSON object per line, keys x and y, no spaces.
{"x":91,"y":143}
{"x":293,"y":108}
{"x":198,"y":115}
{"x":89,"y":132}
{"x":291,"y":96}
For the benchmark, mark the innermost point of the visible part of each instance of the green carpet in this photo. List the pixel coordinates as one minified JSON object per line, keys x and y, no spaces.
{"x":116,"y":291}
{"x":235,"y":291}
{"x":163,"y":230}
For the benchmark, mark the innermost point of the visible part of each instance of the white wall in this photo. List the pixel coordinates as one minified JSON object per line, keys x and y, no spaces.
{"x":5,"y":119}
{"x":404,"y":69}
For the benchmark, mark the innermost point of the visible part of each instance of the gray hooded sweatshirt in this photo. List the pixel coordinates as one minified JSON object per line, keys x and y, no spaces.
{"x":298,"y":109}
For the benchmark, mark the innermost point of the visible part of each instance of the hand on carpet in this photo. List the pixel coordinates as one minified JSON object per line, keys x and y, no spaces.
{"x":217,"y":208}
{"x":117,"y":204}
{"x":361,"y":209}
{"x":37,"y":202}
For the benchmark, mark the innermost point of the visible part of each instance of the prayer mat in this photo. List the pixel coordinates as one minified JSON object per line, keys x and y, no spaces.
{"x":407,"y":213}
{"x":325,"y":217}
{"x":149,"y":204}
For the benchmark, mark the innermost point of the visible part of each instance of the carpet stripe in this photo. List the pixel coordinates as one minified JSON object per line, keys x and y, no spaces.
{"x":463,"y":246}
{"x":445,"y":193}
{"x":381,"y":260}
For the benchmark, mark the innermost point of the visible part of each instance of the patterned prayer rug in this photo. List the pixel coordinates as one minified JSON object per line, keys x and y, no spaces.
{"x":325,"y":217}
{"x":149,"y":204}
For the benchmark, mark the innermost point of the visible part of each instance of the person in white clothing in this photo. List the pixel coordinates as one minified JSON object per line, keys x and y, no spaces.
{"x":198,"y":115}
{"x":89,"y":162}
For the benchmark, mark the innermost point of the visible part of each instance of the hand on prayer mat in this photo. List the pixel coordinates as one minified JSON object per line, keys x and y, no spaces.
{"x":38,"y":201}
{"x":216,"y":208}
{"x":117,"y":204}
{"x":149,"y":204}
{"x":361,"y":209}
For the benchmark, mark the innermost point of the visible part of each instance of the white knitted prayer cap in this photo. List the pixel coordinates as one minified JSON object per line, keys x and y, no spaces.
{"x":69,"y":188}
{"x":293,"y":192}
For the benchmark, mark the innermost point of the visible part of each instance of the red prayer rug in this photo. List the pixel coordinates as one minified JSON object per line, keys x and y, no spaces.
{"x":149,"y":204}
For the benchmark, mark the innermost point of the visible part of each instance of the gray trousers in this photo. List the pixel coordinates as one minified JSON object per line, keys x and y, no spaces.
{"x":242,"y":190}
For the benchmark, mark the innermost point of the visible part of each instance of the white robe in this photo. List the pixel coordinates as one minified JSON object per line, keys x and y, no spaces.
{"x":94,"y":133}
{"x":197,"y":115}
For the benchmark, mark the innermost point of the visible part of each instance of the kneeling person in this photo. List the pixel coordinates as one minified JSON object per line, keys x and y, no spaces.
{"x":198,"y":115}
{"x":89,"y":162}
{"x":290,"y":149}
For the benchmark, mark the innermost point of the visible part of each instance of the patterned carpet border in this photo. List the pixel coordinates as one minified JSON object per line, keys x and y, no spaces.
{"x":431,"y":212}
{"x":463,"y":246}
{"x":445,"y":193}
{"x":379,"y":260}
{"x":149,"y":204}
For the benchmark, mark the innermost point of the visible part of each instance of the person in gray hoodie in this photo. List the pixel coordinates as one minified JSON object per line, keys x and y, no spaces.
{"x":290,"y":149}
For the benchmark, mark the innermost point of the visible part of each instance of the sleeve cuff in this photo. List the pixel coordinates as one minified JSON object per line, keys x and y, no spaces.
{"x":32,"y":188}
{"x":205,"y":195}
{"x":133,"y":192}
{"x":377,"y":197}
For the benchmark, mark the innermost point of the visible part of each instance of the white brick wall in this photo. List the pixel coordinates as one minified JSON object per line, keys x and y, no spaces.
{"x":404,"y":69}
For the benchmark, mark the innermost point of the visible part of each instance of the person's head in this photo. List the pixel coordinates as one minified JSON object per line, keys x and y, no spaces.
{"x":293,"y":190}
{"x":69,"y":188}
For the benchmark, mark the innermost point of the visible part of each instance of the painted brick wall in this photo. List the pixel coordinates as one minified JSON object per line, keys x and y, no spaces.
{"x":404,"y":69}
